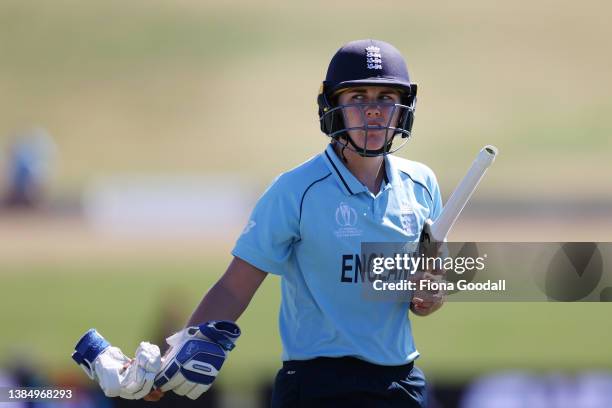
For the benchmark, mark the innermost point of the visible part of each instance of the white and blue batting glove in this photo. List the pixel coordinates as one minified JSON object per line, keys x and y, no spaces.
{"x":195,"y":357}
{"x":117,"y":375}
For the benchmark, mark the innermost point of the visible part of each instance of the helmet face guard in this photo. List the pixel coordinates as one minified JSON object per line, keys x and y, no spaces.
{"x":364,"y":63}
{"x":334,"y":119}
{"x":399,"y":122}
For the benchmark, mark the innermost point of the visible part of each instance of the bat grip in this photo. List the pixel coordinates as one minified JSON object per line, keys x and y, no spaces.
{"x":426,"y":236}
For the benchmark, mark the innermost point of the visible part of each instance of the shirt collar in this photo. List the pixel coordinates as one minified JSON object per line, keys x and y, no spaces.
{"x":391,"y":171}
{"x":347,"y":181}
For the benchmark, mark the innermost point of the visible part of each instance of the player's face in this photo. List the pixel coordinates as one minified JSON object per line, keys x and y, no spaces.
{"x":372,"y":108}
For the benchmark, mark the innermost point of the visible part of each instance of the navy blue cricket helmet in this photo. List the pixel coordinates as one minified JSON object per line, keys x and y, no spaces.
{"x":362,"y":63}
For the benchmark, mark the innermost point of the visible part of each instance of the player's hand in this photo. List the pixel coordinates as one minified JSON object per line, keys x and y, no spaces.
{"x":195,"y":357}
{"x":154,"y":395}
{"x":426,"y":301}
{"x":118,"y":375}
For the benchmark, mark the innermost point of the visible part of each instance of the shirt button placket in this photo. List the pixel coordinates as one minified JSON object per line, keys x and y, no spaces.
{"x":375,"y":208}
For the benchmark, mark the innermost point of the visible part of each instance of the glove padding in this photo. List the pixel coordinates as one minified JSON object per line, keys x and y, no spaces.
{"x":195,"y":357}
{"x":116,"y":373}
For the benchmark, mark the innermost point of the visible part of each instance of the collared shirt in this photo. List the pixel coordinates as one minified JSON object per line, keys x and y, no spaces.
{"x":308,"y":227}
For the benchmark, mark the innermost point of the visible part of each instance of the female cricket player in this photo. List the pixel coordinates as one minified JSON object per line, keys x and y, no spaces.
{"x":339,"y":350}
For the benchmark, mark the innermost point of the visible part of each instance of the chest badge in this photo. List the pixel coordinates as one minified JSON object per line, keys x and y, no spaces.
{"x":346,"y":221}
{"x":408,"y":220}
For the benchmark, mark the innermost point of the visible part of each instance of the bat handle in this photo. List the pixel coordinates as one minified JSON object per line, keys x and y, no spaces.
{"x":429,"y":245}
{"x":426,"y":235}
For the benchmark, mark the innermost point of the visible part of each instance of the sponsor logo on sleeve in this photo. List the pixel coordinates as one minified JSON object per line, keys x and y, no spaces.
{"x":248,"y":227}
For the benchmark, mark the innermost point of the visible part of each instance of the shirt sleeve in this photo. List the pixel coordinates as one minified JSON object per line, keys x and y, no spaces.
{"x":267,"y":240}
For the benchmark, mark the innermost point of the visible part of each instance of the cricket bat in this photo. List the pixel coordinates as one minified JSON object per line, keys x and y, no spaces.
{"x":436,"y":231}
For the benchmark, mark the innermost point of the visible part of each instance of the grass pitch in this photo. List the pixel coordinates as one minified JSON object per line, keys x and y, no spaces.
{"x":49,"y":310}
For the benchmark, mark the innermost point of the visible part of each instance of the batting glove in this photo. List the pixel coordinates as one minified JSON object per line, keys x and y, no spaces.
{"x":195,"y":357}
{"x":117,"y":374}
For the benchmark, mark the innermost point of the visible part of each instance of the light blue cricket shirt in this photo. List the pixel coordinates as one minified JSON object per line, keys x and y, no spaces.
{"x":308,"y":228}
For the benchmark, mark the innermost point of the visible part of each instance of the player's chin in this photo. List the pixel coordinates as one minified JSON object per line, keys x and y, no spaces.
{"x":376,"y":140}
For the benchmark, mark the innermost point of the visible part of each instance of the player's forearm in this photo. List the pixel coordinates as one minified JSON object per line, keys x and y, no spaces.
{"x":231,"y":295}
{"x":218,"y":304}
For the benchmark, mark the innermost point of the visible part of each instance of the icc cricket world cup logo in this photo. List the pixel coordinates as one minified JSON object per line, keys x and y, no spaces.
{"x":346,"y":216}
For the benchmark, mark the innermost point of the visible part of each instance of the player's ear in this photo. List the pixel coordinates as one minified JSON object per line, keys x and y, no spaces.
{"x":324,"y":107}
{"x":410,"y":99}
{"x":330,"y":119}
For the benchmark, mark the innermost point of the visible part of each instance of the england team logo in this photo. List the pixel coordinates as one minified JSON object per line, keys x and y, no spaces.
{"x":408,"y":219}
{"x":346,"y":219}
{"x":373,"y":57}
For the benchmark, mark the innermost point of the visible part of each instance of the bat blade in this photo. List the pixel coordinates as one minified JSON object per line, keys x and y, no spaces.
{"x":438,"y":230}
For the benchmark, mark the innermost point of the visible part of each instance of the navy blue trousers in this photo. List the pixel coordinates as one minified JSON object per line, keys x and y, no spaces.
{"x":348,"y":382}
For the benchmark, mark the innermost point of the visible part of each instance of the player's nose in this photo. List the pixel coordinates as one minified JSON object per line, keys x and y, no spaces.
{"x":373,"y":110}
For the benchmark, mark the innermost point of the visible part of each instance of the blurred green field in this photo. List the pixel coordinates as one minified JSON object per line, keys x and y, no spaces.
{"x":50,"y":309}
{"x":230,"y":86}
